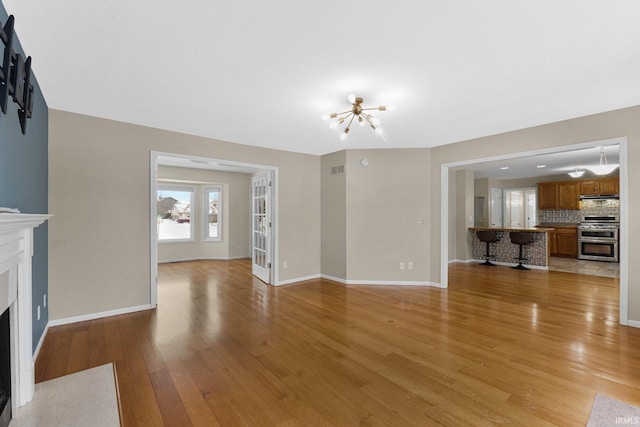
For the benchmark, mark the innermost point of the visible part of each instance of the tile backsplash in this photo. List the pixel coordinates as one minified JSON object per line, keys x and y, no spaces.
{"x":557,"y":215}
{"x":600,"y":207}
{"x":587,"y":207}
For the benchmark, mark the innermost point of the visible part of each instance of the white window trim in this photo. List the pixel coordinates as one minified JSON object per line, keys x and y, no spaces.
{"x":192,"y":191}
{"x":205,"y":211}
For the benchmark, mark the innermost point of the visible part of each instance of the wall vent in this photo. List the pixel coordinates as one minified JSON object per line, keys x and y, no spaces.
{"x":337,"y":169}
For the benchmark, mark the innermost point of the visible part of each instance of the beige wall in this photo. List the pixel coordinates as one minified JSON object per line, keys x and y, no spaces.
{"x":612,"y":124}
{"x":387,"y":214}
{"x":374,"y":217}
{"x":334,"y":216}
{"x":235,"y":218}
{"x":97,"y":262}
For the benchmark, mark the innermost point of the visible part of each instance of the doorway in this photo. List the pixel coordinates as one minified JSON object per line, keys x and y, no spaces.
{"x":269,"y":241}
{"x":624,"y":214}
{"x":521,"y":210}
{"x":261,"y":226}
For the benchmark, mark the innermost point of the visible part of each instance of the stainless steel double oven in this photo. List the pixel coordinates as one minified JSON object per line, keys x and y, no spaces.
{"x":598,"y":238}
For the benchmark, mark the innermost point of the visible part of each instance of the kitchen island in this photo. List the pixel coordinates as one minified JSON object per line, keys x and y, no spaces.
{"x":505,"y":252}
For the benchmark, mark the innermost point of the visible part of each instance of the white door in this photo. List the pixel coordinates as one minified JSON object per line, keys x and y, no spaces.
{"x":261,"y":226}
{"x":515,"y":201}
{"x":530,"y":208}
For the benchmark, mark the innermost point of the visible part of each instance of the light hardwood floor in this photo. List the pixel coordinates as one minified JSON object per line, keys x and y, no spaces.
{"x":499,"y":346}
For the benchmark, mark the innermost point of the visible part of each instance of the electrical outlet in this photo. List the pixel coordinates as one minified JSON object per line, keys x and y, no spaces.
{"x":410,"y":265}
{"x":44,"y":300}
{"x":402,"y":266}
{"x":38,"y":311}
{"x":285,"y":265}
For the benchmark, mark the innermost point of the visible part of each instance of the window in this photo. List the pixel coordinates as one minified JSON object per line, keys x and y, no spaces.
{"x":213,"y":214}
{"x":174,"y":213}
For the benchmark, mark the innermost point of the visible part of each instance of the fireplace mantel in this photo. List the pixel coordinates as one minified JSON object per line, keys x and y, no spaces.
{"x":19,"y":221}
{"x":16,"y":251}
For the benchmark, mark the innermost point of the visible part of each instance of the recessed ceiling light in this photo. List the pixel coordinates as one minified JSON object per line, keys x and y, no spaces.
{"x":541,"y":166}
{"x":504,"y":168}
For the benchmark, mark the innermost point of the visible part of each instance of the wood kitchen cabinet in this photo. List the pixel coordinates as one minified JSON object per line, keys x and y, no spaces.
{"x":599,"y":186}
{"x":609,"y":185}
{"x":553,"y":242}
{"x":559,"y":195}
{"x":568,"y":195}
{"x":547,"y":195}
{"x":567,"y":242}
{"x":563,"y":242}
{"x":589,"y":187}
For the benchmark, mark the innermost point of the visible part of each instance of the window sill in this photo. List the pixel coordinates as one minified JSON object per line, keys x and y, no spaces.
{"x":176,"y":241}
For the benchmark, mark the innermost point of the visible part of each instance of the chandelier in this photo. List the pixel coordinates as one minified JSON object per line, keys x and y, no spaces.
{"x":357,"y":112}
{"x":604,"y":168}
{"x":576,"y":173}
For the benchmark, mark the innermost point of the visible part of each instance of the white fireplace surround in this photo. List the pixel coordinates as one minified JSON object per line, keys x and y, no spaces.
{"x":16,"y":251}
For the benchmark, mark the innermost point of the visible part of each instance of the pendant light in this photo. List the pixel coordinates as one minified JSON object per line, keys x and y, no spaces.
{"x":604,"y":168}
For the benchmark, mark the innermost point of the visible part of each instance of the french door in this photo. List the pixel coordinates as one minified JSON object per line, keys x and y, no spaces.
{"x":261,"y":226}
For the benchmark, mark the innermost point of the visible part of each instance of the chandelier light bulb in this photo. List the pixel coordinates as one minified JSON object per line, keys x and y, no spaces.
{"x":343,"y":136}
{"x":351,"y":98}
{"x":379,"y":131}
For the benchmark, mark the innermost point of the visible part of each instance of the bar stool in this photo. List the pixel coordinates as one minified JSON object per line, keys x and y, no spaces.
{"x":489,"y":237}
{"x":521,"y":238}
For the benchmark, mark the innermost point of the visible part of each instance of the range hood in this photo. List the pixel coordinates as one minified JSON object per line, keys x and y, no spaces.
{"x":599,"y":196}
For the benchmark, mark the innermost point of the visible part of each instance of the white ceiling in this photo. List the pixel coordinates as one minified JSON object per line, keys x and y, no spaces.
{"x":549,"y":164}
{"x":263,"y":73}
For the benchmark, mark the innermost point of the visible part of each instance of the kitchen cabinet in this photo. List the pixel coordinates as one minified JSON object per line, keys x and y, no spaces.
{"x":568,"y":195}
{"x":559,"y":195}
{"x":589,"y":187}
{"x":598,"y":186}
{"x":553,"y":242}
{"x":567,"y":242}
{"x":547,"y":195}
{"x":563,"y":242}
{"x":609,"y":185}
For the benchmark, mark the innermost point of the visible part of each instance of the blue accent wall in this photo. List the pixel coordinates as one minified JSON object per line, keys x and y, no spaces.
{"x":24,"y":178}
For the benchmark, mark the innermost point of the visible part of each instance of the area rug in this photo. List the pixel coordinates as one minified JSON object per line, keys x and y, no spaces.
{"x":607,"y":411}
{"x":86,"y":398}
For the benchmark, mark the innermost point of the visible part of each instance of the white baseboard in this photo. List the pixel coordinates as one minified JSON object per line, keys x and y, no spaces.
{"x":220,"y":258}
{"x":100,"y":315}
{"x":334,"y":279}
{"x":391,"y":283}
{"x":463,"y":261}
{"x":633,"y":323}
{"x":381,"y":282}
{"x":297,"y":279}
{"x":40,"y":342}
